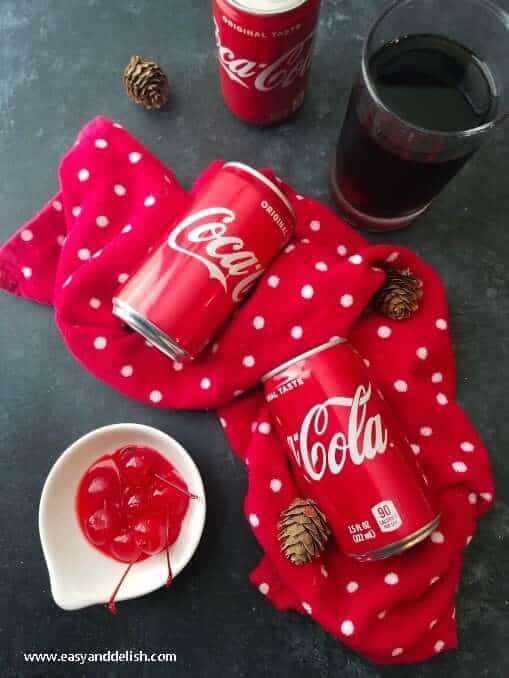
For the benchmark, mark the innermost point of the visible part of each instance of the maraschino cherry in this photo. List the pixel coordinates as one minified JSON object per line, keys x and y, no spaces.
{"x":102,"y":525}
{"x":131,"y":505}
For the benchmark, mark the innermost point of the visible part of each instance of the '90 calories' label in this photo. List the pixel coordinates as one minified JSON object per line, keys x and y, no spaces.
{"x":386,"y":516}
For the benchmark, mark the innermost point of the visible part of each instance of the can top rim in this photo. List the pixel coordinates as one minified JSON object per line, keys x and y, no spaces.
{"x":303,"y":356}
{"x":266,"y":7}
{"x":261,"y":177}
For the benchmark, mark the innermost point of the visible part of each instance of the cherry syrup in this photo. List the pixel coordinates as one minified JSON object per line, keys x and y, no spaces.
{"x":131,"y":505}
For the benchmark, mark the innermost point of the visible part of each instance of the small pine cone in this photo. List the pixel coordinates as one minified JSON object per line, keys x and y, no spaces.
{"x":399,"y":296}
{"x":302,"y":531}
{"x":146,"y":83}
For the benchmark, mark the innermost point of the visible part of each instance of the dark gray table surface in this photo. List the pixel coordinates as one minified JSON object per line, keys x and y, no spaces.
{"x":60,"y":65}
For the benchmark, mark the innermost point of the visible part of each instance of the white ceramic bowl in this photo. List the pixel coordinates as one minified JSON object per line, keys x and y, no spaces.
{"x":80,"y":575}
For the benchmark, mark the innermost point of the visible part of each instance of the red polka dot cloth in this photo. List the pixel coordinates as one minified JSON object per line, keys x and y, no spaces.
{"x":115,"y":201}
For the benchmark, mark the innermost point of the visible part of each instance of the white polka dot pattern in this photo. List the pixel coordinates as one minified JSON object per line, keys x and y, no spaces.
{"x":437,"y":537}
{"x":254,"y":521}
{"x":384,"y":332}
{"x":391,"y":579}
{"x":276,"y":485}
{"x":100,"y":343}
{"x":102,"y":221}
{"x":127,"y":371}
{"x":307,"y":292}
{"x":84,"y":254}
{"x":347,"y":627}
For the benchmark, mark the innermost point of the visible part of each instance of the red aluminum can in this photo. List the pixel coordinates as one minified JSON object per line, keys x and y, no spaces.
{"x":189,"y":285}
{"x":349,"y":453}
{"x":265,"y":48}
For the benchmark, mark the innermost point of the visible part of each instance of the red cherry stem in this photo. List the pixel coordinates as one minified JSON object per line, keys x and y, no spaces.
{"x":175,"y":486}
{"x":111,"y":602}
{"x":170,"y":573}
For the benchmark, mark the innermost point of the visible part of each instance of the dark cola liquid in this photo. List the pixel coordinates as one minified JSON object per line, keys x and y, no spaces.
{"x":433,"y":83}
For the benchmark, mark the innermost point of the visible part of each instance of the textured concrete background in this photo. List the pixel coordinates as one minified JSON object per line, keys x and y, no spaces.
{"x":60,"y":64}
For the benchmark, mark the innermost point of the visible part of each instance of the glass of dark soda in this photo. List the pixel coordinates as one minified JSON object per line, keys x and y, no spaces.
{"x":432,"y":88}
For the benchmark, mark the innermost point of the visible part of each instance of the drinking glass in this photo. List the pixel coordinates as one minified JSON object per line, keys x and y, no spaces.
{"x":433,"y":86}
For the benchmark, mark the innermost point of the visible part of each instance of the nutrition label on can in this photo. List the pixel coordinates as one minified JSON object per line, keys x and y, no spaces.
{"x":386,"y":516}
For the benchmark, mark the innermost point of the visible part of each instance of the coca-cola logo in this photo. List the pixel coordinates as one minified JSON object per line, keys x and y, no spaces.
{"x":319,"y":447}
{"x":204,"y":236}
{"x":264,"y":77}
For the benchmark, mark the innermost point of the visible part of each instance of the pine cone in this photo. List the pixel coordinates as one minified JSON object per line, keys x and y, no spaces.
{"x":399,"y":296}
{"x":302,"y":531}
{"x":146,"y":83}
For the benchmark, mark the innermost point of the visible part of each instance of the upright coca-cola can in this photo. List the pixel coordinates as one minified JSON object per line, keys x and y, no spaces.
{"x":189,"y":285}
{"x":265,"y":49}
{"x":349,"y":453}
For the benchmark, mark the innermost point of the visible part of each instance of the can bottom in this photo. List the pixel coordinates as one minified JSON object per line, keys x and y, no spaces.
{"x":265,"y":121}
{"x":399,"y":546}
{"x":148,"y":330}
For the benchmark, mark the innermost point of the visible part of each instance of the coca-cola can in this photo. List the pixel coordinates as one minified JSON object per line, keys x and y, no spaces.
{"x":186,"y":288}
{"x":349,"y":453}
{"x":265,"y":48}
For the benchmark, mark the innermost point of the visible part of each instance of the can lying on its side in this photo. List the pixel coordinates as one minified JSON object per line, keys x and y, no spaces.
{"x":348,"y":452}
{"x":189,"y":285}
